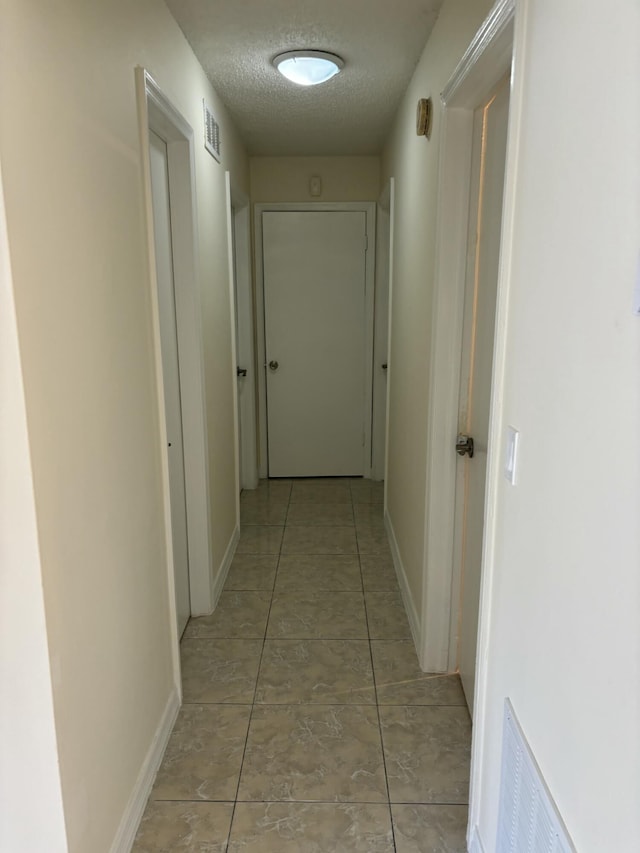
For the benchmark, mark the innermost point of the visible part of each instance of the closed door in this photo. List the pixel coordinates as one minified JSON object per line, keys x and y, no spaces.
{"x":485,"y":218}
{"x":170,"y":373}
{"x":315,"y":333}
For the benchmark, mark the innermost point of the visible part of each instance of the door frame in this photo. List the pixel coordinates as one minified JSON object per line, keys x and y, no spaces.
{"x":369,"y":209}
{"x":156,"y":112}
{"x":462,"y":607}
{"x":242,"y":286}
{"x":484,"y":63}
{"x":384,"y":274}
{"x":497,"y":47}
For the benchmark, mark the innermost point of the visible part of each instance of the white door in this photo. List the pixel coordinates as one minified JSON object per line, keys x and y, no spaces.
{"x":170,"y":373}
{"x":315,"y":333}
{"x":485,"y":218}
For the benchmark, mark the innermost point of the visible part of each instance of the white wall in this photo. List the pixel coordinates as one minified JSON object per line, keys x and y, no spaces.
{"x":283,"y":179}
{"x":27,"y":729}
{"x":561,"y":625}
{"x":413,"y":161}
{"x":563,"y":621}
{"x":70,"y":155}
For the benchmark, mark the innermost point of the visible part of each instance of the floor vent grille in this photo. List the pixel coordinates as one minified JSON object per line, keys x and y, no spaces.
{"x":529,"y":821}
{"x":211,"y":133}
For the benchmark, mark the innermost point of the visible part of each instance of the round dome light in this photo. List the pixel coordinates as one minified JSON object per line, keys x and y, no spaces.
{"x":308,"y":67}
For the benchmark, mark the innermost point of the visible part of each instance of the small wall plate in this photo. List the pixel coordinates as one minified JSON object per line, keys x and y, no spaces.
{"x":424,"y":116}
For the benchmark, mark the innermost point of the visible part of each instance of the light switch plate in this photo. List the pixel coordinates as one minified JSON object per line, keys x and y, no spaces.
{"x":511,"y":455}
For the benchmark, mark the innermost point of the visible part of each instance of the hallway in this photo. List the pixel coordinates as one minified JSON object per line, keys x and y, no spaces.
{"x":307,"y":725}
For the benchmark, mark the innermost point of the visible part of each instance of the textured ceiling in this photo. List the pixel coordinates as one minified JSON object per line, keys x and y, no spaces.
{"x":380,"y":41}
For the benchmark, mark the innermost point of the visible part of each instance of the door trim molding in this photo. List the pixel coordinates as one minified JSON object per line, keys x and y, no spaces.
{"x":497,"y":46}
{"x":156,"y":112}
{"x":369,"y":209}
{"x":246,"y":435}
{"x":382,"y":301}
{"x":480,"y":69}
{"x":496,"y":440}
{"x":392,"y":221}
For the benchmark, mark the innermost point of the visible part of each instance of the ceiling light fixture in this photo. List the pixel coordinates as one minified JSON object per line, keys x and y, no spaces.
{"x":308,"y":67}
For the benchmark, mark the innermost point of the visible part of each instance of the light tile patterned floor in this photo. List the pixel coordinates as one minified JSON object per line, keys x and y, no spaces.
{"x":307,"y":725}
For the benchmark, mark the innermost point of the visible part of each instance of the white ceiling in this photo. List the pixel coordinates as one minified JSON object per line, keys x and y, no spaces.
{"x":380,"y":41}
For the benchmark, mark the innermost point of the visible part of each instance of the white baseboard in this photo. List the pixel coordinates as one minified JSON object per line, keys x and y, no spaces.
{"x":223,"y":571}
{"x":412,"y":613}
{"x":475,"y":842}
{"x":138,"y":800}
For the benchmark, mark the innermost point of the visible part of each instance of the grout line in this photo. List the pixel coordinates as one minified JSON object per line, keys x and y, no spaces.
{"x":267,"y":637}
{"x":220,"y":704}
{"x":375,"y":693}
{"x":323,"y":802}
{"x":429,"y":803}
{"x":255,"y":689}
{"x":313,"y":705}
{"x":286,"y":520}
{"x":327,"y":704}
{"x":332,"y":803}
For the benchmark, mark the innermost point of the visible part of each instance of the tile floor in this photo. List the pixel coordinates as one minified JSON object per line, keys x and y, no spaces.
{"x":307,"y":726}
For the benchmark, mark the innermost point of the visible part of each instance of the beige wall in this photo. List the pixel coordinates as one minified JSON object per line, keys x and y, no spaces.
{"x":70,"y":157}
{"x":413,"y":161}
{"x":286,"y":179}
{"x":27,"y":729}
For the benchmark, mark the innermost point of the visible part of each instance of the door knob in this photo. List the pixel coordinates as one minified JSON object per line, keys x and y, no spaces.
{"x":241,"y":371}
{"x":273,"y":365}
{"x":464,"y":445}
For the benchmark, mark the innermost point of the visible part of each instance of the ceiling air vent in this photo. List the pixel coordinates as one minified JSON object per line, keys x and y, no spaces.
{"x":211,"y":133}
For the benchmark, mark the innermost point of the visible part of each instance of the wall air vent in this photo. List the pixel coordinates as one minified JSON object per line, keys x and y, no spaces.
{"x":528,"y":821}
{"x":211,"y":133}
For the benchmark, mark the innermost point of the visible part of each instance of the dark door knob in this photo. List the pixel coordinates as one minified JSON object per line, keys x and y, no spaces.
{"x":464,"y":445}
{"x":273,"y":365}
{"x":241,"y":371}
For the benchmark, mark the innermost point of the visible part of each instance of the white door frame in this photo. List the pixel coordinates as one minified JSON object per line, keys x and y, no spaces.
{"x":157,"y":113}
{"x":240,"y":225}
{"x":392,"y":219}
{"x":485,"y":62}
{"x":384,"y":268}
{"x":369,"y":209}
{"x":496,"y":47}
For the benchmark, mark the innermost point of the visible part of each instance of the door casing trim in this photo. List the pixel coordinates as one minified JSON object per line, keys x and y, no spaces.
{"x":369,"y":209}
{"x":156,"y":112}
{"x":381,"y":382}
{"x":497,"y":46}
{"x":240,"y":266}
{"x":485,"y":61}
